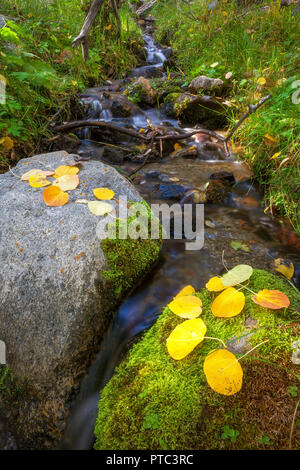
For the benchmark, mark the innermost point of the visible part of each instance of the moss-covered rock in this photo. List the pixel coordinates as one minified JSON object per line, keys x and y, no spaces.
{"x":155,"y":402}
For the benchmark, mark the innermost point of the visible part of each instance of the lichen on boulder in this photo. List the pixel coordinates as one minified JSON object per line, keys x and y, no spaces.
{"x":155,"y":402}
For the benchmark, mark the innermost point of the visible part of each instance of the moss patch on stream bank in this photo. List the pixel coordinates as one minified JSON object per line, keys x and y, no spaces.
{"x":155,"y":402}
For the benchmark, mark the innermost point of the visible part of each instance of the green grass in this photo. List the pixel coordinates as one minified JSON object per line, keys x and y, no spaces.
{"x":251,"y":44}
{"x":44,"y":73}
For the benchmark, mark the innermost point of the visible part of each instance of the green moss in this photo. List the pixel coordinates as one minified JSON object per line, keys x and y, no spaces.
{"x":128,"y":259}
{"x":155,"y":402}
{"x":10,"y":386}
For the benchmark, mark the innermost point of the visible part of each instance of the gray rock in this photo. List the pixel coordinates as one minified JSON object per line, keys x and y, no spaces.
{"x":52,"y":303}
{"x":205,"y":83}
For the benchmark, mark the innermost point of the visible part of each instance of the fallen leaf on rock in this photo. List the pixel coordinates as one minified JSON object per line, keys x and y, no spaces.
{"x":273,"y":299}
{"x":65,"y":170}
{"x":215,"y":284}
{"x":55,"y":197}
{"x":284,"y":267}
{"x":103,"y":193}
{"x":223,"y":372}
{"x":188,"y":306}
{"x":99,"y":208}
{"x":238,"y":274}
{"x":36,"y":172}
{"x":67,"y":182}
{"x":187,"y":290}
{"x":38,"y":181}
{"x":236,"y":245}
{"x":228,"y":304}
{"x":185,"y":337}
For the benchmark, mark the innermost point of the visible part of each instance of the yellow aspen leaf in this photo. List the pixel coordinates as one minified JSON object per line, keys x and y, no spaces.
{"x":38,"y":181}
{"x":238,"y":274}
{"x":228,"y":304}
{"x":187,"y":306}
{"x":224,"y":13}
{"x":99,"y":208}
{"x":7,"y":143}
{"x":108,"y":27}
{"x":185,"y":337}
{"x":67,"y":182}
{"x":65,"y":170}
{"x":55,"y":197}
{"x":187,"y":290}
{"x":223,"y":372}
{"x":141,"y":130}
{"x":284,"y":267}
{"x":273,"y":299}
{"x":103,"y":193}
{"x":271,"y":139}
{"x":36,"y":172}
{"x":261,"y":81}
{"x":276,"y":155}
{"x":177,"y":146}
{"x":215,"y":284}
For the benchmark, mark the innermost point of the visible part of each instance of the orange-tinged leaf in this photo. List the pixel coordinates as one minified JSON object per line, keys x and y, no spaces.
{"x":188,"y":306}
{"x":187,"y":290}
{"x":65,"y":170}
{"x":185,"y":337}
{"x":7,"y":143}
{"x":55,"y":197}
{"x":67,"y":182}
{"x":274,"y":299}
{"x":223,"y":372}
{"x":177,"y":146}
{"x":38,"y":181}
{"x":215,"y":284}
{"x":103,"y":193}
{"x":228,"y":304}
{"x":284,"y":267}
{"x":36,"y":172}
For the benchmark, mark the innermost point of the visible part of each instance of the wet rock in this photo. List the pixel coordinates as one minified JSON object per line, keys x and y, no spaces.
{"x":196,"y":109}
{"x":143,"y":92}
{"x":120,"y":108}
{"x":203,"y":83}
{"x":55,"y":300}
{"x":148,"y":71}
{"x":68,"y":142}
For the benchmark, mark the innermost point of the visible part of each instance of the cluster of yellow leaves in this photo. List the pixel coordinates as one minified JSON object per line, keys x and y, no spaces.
{"x":66,"y":179}
{"x":222,"y":369}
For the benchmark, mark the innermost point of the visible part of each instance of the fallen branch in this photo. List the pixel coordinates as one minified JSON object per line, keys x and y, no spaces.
{"x":145,"y":7}
{"x":106,"y":125}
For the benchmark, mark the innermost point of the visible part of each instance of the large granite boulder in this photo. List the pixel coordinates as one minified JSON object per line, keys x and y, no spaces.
{"x":56,"y":297}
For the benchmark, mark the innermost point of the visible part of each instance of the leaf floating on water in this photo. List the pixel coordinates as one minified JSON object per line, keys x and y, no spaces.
{"x":236,"y":245}
{"x":238,"y":274}
{"x":67,"y":182}
{"x":36,"y":172}
{"x":65,"y":170}
{"x":38,"y":181}
{"x":55,"y":197}
{"x":187,"y":290}
{"x":99,"y":208}
{"x":103,"y":193}
{"x":223,"y":372}
{"x":185,"y":337}
{"x":284,"y":267}
{"x":215,"y":284}
{"x":228,"y":304}
{"x":273,"y":299}
{"x":188,"y":306}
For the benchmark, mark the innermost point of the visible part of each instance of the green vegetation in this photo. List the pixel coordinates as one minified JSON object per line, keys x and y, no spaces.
{"x":128,"y":259}
{"x":251,"y":43}
{"x":44,"y":73}
{"x":10,"y":386}
{"x":155,"y":402}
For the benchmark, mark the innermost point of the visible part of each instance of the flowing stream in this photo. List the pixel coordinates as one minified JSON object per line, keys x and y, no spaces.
{"x":234,"y":213}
